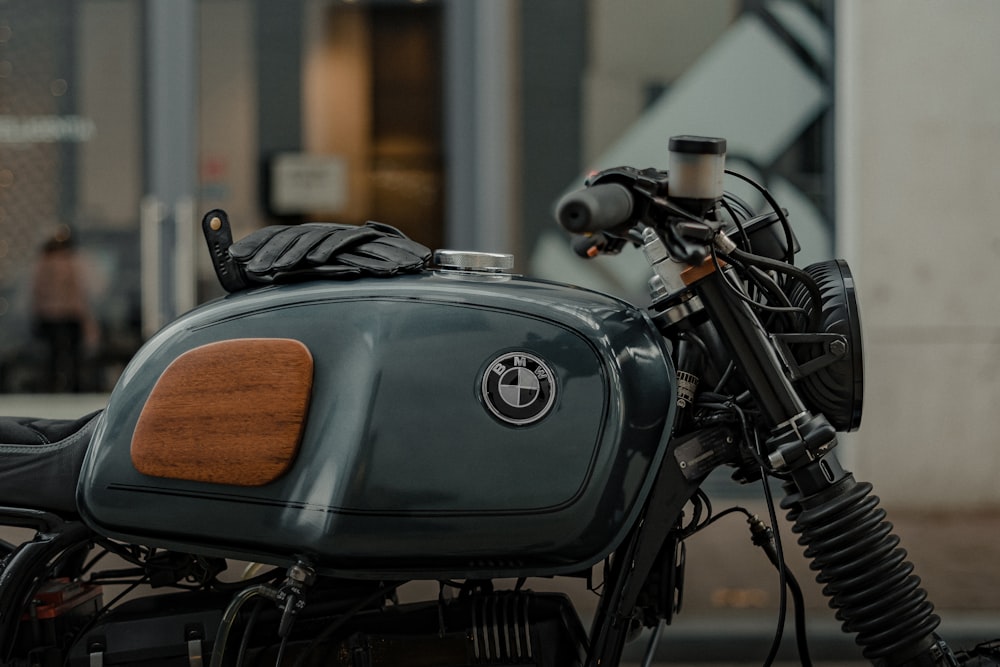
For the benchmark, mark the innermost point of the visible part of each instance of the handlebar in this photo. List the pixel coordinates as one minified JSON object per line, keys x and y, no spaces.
{"x":596,"y":208}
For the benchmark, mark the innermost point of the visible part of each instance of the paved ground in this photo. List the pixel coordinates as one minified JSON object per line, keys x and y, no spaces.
{"x":957,"y":555}
{"x":731,"y":590}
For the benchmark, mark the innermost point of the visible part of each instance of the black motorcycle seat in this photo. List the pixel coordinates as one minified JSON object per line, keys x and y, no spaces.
{"x":40,"y":461}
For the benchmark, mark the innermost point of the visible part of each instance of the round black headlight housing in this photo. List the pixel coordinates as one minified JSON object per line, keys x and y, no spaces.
{"x":835,"y":389}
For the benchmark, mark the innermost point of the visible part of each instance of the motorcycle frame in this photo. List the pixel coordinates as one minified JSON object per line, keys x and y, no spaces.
{"x":632,"y":562}
{"x":747,"y":342}
{"x":800,"y":444}
{"x":23,"y":566}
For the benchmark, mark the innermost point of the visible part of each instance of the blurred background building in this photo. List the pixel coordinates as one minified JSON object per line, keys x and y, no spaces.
{"x":123,"y":121}
{"x":877,"y":124}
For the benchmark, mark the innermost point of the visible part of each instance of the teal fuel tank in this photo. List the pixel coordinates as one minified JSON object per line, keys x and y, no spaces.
{"x":451,"y":425}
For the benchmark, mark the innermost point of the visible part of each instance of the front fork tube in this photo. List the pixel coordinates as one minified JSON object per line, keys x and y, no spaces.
{"x":844,"y":532}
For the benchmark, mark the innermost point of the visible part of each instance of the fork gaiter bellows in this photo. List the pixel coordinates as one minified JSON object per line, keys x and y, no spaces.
{"x":864,"y":572}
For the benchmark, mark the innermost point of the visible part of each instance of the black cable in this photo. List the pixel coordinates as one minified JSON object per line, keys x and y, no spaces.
{"x":754,"y":447}
{"x":768,"y":285}
{"x":739,"y":293}
{"x":772,"y":550}
{"x":281,"y":651}
{"x":765,"y":538}
{"x":654,"y":640}
{"x":739,"y":224}
{"x":713,"y":518}
{"x":696,"y":511}
{"x":713,"y":397}
{"x":726,"y":375}
{"x":104,"y":575}
{"x":135,"y":554}
{"x":339,"y":623}
{"x":762,"y":283}
{"x":706,"y":501}
{"x":726,"y":512}
{"x":782,"y":571}
{"x":801,"y":637}
{"x":795,"y":272}
{"x":731,"y":406}
{"x":730,"y":198}
{"x":247,"y":631}
{"x":696,"y":341}
{"x":708,"y":399}
{"x":798,"y":600}
{"x":785,"y":225}
{"x":782,"y":579}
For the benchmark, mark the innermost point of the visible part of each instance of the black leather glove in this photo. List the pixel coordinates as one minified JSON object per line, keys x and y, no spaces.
{"x":313,"y":250}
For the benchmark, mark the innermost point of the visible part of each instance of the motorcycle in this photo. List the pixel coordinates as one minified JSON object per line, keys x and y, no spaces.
{"x":352,"y":417}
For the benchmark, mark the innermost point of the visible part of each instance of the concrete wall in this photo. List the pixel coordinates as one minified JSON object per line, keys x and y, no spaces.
{"x":917,"y":101}
{"x":634,"y":44}
{"x":918,"y":97}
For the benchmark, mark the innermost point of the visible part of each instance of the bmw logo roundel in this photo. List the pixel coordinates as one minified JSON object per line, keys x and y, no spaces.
{"x":518,"y":388}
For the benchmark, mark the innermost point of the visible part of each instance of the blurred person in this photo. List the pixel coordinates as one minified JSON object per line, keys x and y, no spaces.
{"x":61,"y":314}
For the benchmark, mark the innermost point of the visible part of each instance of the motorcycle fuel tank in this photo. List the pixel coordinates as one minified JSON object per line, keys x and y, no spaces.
{"x":440,"y":424}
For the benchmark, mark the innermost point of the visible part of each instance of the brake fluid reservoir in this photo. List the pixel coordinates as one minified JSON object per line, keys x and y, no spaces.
{"x":697,"y":165}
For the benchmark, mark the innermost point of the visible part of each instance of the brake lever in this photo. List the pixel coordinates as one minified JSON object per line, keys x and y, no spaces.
{"x":596,"y":244}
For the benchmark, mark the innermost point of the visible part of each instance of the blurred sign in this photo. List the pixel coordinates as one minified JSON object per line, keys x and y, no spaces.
{"x":45,"y":129}
{"x":303,"y":183}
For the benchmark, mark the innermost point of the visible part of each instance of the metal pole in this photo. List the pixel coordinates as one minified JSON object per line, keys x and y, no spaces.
{"x":170,"y":49}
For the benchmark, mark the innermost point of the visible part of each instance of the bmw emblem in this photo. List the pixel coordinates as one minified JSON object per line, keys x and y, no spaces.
{"x":518,"y":388}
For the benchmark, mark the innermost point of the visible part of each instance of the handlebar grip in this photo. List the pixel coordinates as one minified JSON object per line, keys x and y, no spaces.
{"x":599,"y":207}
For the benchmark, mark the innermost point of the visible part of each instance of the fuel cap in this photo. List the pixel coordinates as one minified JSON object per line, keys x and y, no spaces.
{"x":478,"y":262}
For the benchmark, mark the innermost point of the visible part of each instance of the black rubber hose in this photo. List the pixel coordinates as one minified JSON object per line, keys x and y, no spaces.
{"x":864,"y":571}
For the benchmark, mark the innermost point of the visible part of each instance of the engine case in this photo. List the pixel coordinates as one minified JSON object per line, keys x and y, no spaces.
{"x":456,"y":426}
